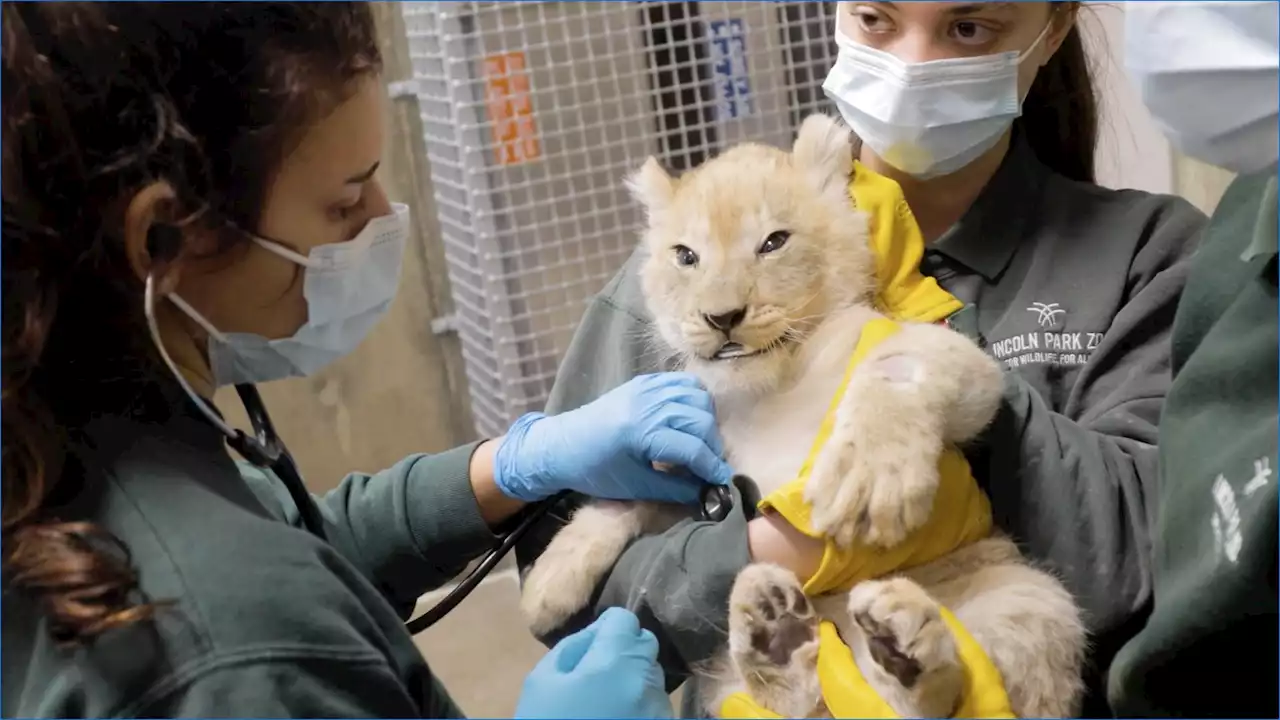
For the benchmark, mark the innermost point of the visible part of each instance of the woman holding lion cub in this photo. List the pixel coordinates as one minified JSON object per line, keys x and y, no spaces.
{"x":1070,"y":285}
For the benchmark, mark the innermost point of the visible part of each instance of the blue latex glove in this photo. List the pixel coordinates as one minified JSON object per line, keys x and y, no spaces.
{"x":607,"y":670}
{"x":606,"y":449}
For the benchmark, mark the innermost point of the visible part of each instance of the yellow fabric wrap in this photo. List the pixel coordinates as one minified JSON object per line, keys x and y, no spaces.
{"x":962,"y":513}
{"x":905,"y":292}
{"x":848,"y":695}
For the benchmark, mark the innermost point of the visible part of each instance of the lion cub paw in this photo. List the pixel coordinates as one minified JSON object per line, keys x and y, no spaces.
{"x":773,"y":639}
{"x":769,"y":617}
{"x":874,"y":482}
{"x":909,"y":641}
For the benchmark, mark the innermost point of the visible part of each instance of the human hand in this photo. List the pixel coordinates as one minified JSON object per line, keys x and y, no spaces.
{"x":607,"y":670}
{"x":607,"y":449}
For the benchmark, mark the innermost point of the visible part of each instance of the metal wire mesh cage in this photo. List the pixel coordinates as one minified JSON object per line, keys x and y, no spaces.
{"x":534,"y":112}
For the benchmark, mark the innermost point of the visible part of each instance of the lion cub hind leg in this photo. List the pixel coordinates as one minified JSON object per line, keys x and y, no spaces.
{"x":1031,"y":628}
{"x":906,"y":651}
{"x":773,"y":641}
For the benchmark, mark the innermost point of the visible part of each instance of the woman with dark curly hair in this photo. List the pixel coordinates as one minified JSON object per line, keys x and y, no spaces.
{"x":190,"y":202}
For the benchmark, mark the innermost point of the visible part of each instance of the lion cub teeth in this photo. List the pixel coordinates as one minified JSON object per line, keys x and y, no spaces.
{"x":730,"y":351}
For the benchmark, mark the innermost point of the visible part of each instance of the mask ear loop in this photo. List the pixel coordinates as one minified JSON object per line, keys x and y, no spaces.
{"x":1039,"y":39}
{"x":262,"y":452}
{"x":281,"y":251}
{"x":265,"y":450}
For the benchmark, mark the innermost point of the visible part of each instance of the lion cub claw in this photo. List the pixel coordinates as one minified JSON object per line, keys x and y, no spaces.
{"x":872,"y":482}
{"x":907,"y":638}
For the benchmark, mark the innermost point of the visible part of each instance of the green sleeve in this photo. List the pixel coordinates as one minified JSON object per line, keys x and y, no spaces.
{"x":409,"y":529}
{"x":1209,"y":647}
{"x":301,"y":685}
{"x":678,"y":583}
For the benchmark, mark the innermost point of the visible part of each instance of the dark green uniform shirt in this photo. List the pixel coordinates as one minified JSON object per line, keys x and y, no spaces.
{"x":1210,"y":646}
{"x":266,"y":620}
{"x":1073,"y":287}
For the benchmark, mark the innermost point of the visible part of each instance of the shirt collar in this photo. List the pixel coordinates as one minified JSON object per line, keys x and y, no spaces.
{"x":986,"y":236}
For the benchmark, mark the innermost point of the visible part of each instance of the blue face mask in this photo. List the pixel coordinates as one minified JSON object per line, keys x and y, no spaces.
{"x":348,"y":287}
{"x":926,"y":118}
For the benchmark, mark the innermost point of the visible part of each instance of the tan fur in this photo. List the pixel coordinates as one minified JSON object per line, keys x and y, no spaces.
{"x":874,"y":481}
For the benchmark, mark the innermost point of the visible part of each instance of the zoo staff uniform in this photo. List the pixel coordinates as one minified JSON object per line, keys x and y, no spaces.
{"x":1209,"y":648}
{"x":1073,"y":288}
{"x":266,"y":620}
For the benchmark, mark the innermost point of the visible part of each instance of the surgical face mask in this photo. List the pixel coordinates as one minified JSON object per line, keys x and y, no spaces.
{"x":929,"y":118}
{"x":348,"y":287}
{"x":1208,"y":72}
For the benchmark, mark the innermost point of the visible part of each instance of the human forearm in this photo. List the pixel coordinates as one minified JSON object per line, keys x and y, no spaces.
{"x":771,"y":539}
{"x":1075,"y":495}
{"x":495,"y":506}
{"x":411,"y":527}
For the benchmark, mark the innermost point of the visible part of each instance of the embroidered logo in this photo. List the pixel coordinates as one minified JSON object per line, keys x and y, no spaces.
{"x":1261,"y":475}
{"x":1047,"y":313}
{"x":1227,"y":519}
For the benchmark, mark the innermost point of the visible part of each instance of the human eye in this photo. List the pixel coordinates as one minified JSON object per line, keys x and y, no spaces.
{"x":871,"y":21}
{"x":348,"y":209}
{"x":971,"y":33}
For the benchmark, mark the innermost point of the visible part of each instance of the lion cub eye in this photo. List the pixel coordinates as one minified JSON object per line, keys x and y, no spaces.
{"x":685,"y":257}
{"x":774,"y":242}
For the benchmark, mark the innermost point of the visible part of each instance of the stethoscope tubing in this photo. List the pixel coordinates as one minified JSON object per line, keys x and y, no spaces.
{"x":266,"y":449}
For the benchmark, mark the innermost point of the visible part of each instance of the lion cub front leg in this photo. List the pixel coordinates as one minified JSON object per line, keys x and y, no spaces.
{"x":578,"y":558}
{"x":877,"y":475}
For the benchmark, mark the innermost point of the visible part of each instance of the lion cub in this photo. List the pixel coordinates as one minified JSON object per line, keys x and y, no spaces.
{"x":759,"y":277}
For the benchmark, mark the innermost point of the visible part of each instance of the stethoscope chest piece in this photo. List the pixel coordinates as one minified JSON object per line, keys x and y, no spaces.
{"x":717,"y":500}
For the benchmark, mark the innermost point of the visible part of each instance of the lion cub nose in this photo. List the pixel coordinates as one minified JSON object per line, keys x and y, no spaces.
{"x":726,"y":321}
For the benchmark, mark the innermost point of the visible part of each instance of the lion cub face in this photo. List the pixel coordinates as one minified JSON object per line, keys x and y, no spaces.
{"x":750,"y":251}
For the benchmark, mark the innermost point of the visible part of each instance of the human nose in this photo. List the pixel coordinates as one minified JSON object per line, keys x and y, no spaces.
{"x":377,"y":201}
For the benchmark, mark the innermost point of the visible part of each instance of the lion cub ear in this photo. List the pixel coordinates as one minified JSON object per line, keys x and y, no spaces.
{"x":824,"y":151}
{"x":652,"y":187}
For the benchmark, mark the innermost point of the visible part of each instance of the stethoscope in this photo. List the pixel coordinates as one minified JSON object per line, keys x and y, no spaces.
{"x":265,"y":449}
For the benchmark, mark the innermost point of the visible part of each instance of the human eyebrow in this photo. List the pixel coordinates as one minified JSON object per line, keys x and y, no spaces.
{"x":976,"y":8}
{"x":364,"y":177}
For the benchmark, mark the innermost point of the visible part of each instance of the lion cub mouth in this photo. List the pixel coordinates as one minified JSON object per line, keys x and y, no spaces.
{"x":736,"y":351}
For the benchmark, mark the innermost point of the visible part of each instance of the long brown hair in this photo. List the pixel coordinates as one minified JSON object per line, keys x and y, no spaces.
{"x":101,"y":100}
{"x":1060,"y":114}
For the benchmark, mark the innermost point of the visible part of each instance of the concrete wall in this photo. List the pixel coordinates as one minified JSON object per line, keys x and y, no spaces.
{"x":403,"y":391}
{"x":1131,"y":151}
{"x":1202,"y":184}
